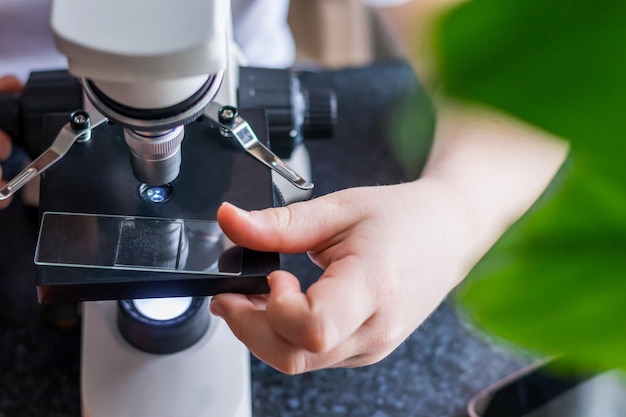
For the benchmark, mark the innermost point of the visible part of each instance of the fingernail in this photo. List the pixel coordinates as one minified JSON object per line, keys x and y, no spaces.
{"x":270,"y":279}
{"x":217,"y":308}
{"x":239,"y":211}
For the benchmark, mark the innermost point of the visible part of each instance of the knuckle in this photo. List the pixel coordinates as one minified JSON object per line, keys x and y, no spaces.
{"x":370,"y":359}
{"x":387,"y":290}
{"x":382,"y":339}
{"x":283,"y":217}
{"x":292,"y":364}
{"x":385,"y":286}
{"x":318,"y":334}
{"x":383,"y":343}
{"x":344,"y":201}
{"x":333,"y":202}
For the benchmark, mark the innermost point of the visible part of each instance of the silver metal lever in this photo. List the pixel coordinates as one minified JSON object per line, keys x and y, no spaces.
{"x":71,"y":132}
{"x":229,"y":120}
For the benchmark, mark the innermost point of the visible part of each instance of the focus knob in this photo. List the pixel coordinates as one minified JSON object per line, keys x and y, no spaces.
{"x":320,"y":114}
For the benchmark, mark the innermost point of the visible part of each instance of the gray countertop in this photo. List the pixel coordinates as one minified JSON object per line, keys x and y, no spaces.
{"x":433,"y":373}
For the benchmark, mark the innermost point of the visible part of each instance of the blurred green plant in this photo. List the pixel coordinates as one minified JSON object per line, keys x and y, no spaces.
{"x":556,"y":282}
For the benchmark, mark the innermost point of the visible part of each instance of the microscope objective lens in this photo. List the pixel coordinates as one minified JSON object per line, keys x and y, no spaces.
{"x":156,"y":193}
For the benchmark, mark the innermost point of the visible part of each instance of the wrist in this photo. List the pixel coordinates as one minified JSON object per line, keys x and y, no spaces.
{"x":457,"y":229}
{"x":497,"y":165}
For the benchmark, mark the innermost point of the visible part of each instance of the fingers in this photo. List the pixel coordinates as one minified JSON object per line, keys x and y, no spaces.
{"x":323,"y":318}
{"x":10,"y":84}
{"x":251,"y":326}
{"x":299,"y":227}
{"x":297,"y":332}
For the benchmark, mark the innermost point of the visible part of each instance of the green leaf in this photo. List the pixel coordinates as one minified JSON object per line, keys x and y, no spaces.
{"x":559,"y":64}
{"x":556,"y":282}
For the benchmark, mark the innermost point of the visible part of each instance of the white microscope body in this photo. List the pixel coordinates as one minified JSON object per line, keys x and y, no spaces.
{"x":148,"y":54}
{"x":151,"y":55}
{"x":209,"y":379}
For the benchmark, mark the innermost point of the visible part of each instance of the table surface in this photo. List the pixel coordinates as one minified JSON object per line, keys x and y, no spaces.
{"x":433,"y":373}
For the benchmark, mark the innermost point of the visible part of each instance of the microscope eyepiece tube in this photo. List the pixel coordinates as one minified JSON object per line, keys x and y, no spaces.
{"x":155,"y":156}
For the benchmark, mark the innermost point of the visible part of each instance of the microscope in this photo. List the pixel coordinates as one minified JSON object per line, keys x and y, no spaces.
{"x":130,"y":187}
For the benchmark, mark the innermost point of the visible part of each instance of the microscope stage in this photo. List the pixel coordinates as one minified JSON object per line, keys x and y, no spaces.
{"x":100,"y":239}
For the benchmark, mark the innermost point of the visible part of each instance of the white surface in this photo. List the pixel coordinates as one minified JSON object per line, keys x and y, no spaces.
{"x":141,"y":53}
{"x":211,"y":378}
{"x":121,"y":40}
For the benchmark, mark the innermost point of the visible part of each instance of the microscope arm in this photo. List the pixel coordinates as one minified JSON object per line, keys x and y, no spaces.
{"x":77,"y":129}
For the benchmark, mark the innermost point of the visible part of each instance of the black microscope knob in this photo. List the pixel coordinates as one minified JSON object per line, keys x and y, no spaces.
{"x":320,"y":114}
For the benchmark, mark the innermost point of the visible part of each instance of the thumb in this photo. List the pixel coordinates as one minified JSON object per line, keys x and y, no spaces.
{"x":296,"y":228}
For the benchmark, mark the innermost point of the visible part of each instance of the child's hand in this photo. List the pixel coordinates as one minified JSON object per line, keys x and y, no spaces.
{"x":390,"y":255}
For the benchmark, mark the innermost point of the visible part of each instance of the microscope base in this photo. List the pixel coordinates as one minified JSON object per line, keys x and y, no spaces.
{"x":211,"y":378}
